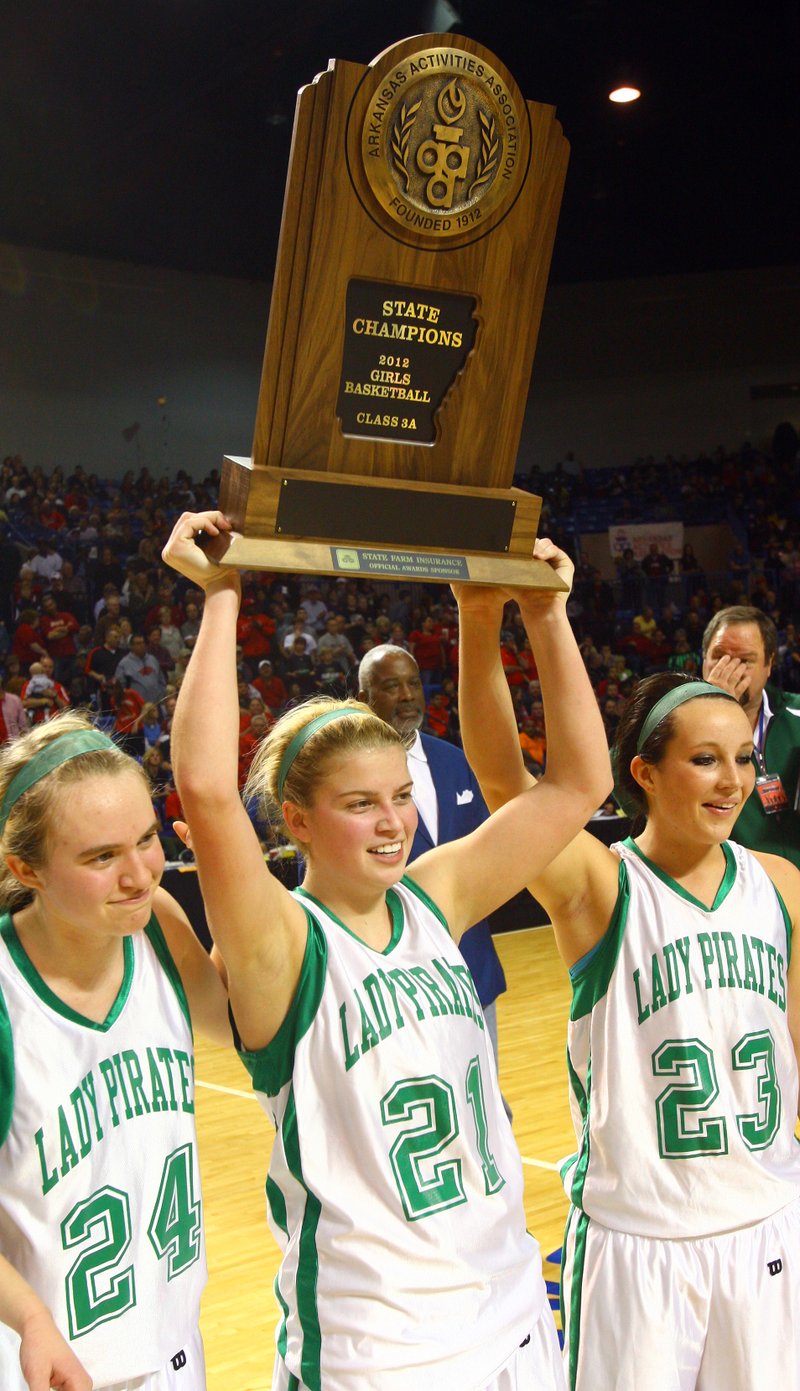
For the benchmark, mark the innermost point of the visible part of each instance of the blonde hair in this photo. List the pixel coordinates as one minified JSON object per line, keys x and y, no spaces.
{"x":335,"y":739}
{"x":26,"y":830}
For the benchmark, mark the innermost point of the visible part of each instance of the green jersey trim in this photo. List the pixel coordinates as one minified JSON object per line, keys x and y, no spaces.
{"x":158,"y":942}
{"x":40,"y":987}
{"x":591,"y":975}
{"x":580,"y":1160}
{"x":6,"y":1072}
{"x":728,"y":878}
{"x":419,"y":893}
{"x":272,"y":1067}
{"x":787,"y":922}
{"x":308,"y":1258}
{"x":395,"y":911}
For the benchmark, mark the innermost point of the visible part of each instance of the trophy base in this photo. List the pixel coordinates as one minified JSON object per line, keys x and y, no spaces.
{"x":310,"y":522}
{"x":382,"y":563}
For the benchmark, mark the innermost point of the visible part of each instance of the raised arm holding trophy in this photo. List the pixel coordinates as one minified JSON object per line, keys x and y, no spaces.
{"x":418,"y":226}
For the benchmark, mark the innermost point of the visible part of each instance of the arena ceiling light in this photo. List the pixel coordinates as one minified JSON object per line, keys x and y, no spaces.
{"x":624,"y":94}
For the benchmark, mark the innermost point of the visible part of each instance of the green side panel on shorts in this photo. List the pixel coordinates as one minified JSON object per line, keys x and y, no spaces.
{"x":27,"y":969}
{"x":272,"y":1067}
{"x":158,"y":942}
{"x":308,"y":1262}
{"x":591,"y":975}
{"x":573,"y":1323}
{"x":277,"y":1205}
{"x":6,"y":1072}
{"x":419,"y":893}
{"x":282,"y":1337}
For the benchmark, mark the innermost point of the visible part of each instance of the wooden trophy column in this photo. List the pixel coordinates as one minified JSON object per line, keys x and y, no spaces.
{"x":418,"y":225}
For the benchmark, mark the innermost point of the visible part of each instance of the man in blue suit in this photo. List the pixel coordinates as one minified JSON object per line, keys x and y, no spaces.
{"x":446,"y":795}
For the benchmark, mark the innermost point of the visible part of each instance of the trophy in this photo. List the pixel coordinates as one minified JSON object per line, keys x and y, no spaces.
{"x":418,"y":224}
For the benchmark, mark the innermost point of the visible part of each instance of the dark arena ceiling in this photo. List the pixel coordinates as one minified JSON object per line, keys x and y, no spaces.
{"x":157,"y":131}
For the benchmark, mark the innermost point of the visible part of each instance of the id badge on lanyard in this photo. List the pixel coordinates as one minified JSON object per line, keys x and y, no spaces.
{"x":771,"y":793}
{"x":769,"y":788}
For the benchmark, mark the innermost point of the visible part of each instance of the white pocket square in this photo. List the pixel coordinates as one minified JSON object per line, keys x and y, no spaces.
{"x":463,"y":798}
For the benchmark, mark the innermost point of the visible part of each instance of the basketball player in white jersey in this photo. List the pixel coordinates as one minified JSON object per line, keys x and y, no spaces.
{"x":395,"y":1190}
{"x":682,"y":1253}
{"x":102,"y":1259}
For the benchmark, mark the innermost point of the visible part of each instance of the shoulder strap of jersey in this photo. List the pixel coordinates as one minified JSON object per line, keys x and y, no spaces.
{"x":272,"y":1067}
{"x":158,"y":942}
{"x":408,"y":882}
{"x":591,"y":975}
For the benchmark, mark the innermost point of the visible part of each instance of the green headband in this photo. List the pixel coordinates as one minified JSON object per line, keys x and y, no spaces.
{"x":303,"y":735}
{"x":669,"y":702}
{"x":58,"y":751}
{"x":690,"y":690}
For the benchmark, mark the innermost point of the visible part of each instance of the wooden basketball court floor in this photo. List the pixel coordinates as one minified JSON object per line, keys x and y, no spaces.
{"x":235,"y":1138}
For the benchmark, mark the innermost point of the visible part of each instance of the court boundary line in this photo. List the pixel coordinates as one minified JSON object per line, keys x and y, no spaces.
{"x":251,"y":1096}
{"x":226,"y":1091}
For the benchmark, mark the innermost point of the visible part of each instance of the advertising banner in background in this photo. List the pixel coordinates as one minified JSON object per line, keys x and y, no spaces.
{"x":668,"y":537}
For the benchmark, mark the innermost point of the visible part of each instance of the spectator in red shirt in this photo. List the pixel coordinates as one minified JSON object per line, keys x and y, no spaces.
{"x":173,"y":811}
{"x":514,"y":674}
{"x":51,"y":515}
{"x":655,"y":651}
{"x":427,"y":650}
{"x":249,"y":740}
{"x":271,"y":688}
{"x":526,"y":660}
{"x":254,"y":634}
{"x":249,"y":708}
{"x":28,"y":643}
{"x":438,"y":715}
{"x":58,"y":629}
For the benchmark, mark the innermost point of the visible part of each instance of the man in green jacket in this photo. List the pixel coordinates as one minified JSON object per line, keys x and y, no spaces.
{"x":740,"y":645}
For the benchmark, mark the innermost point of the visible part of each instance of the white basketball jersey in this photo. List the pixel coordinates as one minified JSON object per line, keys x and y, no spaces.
{"x":395,"y":1189}
{"x":683,"y":1075}
{"x":99,"y":1186}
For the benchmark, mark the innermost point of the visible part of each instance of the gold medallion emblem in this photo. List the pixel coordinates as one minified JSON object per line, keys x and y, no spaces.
{"x":438,"y":144}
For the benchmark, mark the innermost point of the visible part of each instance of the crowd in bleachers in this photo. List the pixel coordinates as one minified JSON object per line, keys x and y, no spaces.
{"x":89,"y":615}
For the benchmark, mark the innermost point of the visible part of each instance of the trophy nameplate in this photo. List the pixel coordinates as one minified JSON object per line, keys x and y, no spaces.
{"x":418,"y":226}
